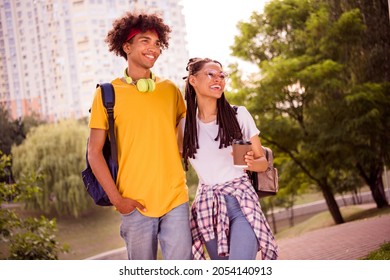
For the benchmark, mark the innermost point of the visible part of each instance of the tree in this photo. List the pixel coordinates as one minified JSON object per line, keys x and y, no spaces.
{"x":13,"y":132}
{"x":57,"y":151}
{"x":25,"y":238}
{"x":8,"y":132}
{"x":369,"y":99}
{"x":301,"y":101}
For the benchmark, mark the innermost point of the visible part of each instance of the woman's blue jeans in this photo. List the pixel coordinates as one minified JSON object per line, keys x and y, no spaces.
{"x":141,"y":235}
{"x":242,"y":238}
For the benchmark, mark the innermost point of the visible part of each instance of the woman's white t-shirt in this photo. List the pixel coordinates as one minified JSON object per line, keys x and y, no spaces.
{"x":212,"y":164}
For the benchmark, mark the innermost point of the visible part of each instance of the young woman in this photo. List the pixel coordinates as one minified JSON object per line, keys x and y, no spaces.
{"x":226,"y":215}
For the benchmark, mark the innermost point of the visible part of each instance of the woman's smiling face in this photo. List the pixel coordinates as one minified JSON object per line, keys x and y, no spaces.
{"x":209,"y":81}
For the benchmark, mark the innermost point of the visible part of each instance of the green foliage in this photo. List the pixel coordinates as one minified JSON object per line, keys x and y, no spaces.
{"x":36,"y":241}
{"x":311,"y":102}
{"x":28,"y":239}
{"x":9,"y":131}
{"x":29,"y":122}
{"x":23,"y":190}
{"x":13,"y":132}
{"x":24,"y":239}
{"x":57,"y":151}
{"x":192,"y":178}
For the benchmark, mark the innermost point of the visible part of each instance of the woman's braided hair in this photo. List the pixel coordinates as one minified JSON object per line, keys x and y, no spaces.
{"x":121,"y":27}
{"x":229,"y":129}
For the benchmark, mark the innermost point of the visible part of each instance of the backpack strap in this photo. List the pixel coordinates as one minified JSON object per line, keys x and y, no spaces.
{"x":108,"y":97}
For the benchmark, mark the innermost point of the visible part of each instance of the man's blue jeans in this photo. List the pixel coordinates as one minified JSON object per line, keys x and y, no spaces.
{"x":141,"y":235}
{"x":242,"y":239}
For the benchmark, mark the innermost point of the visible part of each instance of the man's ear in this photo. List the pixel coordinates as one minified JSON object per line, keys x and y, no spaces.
{"x":126,"y":47}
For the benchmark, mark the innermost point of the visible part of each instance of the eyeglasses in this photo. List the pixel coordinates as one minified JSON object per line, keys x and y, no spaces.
{"x":213,"y":74}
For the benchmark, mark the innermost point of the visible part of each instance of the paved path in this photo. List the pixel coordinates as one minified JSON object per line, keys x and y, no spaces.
{"x":348,"y":241}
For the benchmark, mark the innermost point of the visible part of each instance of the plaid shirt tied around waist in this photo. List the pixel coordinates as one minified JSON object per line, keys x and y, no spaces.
{"x":209,"y":212}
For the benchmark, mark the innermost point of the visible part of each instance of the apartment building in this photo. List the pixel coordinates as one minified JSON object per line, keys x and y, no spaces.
{"x":52,"y":52}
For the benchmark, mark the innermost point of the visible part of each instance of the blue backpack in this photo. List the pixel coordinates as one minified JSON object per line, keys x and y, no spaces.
{"x":93,"y":187}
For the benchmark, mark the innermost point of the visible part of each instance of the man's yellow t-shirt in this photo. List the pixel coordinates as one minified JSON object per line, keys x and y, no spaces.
{"x":150,"y":168}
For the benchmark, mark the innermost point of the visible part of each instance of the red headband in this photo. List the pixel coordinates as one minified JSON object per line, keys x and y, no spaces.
{"x":135,"y":31}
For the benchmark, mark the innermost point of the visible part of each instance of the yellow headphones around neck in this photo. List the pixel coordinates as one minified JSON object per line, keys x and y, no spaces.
{"x":142,"y":85}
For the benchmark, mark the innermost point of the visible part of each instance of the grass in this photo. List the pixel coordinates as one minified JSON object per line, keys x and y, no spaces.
{"x":324,"y":219}
{"x":90,"y":235}
{"x":314,"y":195}
{"x":383,"y":253}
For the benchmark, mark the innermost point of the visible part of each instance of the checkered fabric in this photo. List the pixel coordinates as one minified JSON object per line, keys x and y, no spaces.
{"x":209,"y":216}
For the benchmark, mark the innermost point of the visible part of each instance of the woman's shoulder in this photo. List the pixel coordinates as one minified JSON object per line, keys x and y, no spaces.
{"x":240,"y":110}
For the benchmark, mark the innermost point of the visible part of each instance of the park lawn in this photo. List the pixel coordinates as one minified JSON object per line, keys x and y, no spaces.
{"x":383,"y":253}
{"x":91,"y":234}
{"x":324,"y":219}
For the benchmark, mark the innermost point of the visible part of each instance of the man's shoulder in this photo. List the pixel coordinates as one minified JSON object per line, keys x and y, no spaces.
{"x":165,"y":81}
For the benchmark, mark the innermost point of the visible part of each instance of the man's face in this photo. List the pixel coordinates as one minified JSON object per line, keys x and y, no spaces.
{"x":144,"y":49}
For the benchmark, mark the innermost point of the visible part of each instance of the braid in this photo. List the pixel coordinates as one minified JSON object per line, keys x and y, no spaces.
{"x":190,"y":140}
{"x":229,"y":128}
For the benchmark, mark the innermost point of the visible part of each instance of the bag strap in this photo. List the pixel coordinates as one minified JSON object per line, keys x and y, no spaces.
{"x":268,"y":152}
{"x":108,"y":97}
{"x":269,"y":156}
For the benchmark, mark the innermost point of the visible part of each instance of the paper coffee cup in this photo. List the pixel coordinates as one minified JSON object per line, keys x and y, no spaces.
{"x":240,"y":148}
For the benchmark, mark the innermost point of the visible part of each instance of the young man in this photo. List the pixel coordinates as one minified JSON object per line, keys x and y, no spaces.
{"x":150,"y":193}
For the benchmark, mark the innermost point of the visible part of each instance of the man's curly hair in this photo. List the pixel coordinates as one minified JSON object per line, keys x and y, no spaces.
{"x":117,"y":36}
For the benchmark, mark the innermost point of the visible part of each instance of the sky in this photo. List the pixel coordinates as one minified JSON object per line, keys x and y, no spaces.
{"x":211,"y":26}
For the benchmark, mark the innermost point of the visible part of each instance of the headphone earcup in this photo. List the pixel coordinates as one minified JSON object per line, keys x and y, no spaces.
{"x":151,"y":85}
{"x":128,"y":79}
{"x":146,"y":85}
{"x":142,"y":85}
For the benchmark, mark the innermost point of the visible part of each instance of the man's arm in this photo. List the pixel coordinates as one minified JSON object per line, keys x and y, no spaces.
{"x":101,"y":171}
{"x":179,"y":134}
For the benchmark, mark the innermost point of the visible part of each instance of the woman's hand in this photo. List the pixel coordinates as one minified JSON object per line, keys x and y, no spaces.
{"x":256,"y":159}
{"x":249,"y":159}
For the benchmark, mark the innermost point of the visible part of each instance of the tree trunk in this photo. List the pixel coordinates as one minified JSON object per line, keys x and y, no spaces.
{"x":291,"y":219}
{"x":274,"y":228}
{"x":378,"y":191}
{"x":375,"y":182}
{"x":332,"y":204}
